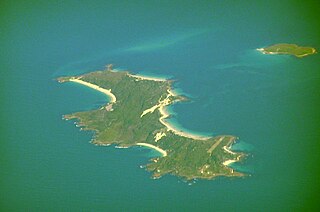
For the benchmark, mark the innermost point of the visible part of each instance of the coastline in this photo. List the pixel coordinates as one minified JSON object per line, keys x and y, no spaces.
{"x":161,"y":106}
{"x":227,"y":149}
{"x":314,"y":51}
{"x":263,"y":51}
{"x":165,"y":114}
{"x":167,"y":97}
{"x":141,"y":77}
{"x":164,"y":153}
{"x":228,"y":162}
{"x":95,"y":87}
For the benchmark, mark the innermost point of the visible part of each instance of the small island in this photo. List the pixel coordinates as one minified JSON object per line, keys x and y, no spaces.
{"x":136,"y":115}
{"x":288,"y":49}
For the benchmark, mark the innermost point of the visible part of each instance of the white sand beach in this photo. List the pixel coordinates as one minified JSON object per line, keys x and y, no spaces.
{"x":228,"y":162}
{"x":165,"y":114}
{"x":93,"y":86}
{"x":164,"y":153}
{"x":228,"y":150}
{"x":161,"y":106}
{"x":141,"y":77}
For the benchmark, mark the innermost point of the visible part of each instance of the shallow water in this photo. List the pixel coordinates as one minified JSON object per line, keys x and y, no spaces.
{"x":269,"y":101}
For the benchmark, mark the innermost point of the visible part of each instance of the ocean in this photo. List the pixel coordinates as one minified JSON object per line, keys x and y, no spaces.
{"x":269,"y":101}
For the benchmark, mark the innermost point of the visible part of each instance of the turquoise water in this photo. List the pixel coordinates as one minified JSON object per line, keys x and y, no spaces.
{"x":270,"y":102}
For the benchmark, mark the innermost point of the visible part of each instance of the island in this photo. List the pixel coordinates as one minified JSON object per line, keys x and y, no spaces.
{"x":288,"y":49}
{"x":136,"y":115}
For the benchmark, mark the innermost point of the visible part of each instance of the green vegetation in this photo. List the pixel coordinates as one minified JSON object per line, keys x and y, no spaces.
{"x":290,"y":49}
{"x":123,"y":126}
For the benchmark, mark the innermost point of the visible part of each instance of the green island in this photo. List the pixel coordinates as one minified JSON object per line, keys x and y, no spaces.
{"x":289,"y":49}
{"x":136,"y":115}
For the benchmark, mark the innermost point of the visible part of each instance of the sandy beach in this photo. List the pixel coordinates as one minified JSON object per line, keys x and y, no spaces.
{"x":161,"y":106}
{"x":165,"y":114}
{"x":228,"y":150}
{"x":141,"y":77}
{"x":263,"y":51}
{"x":260,"y":49}
{"x":313,"y":52}
{"x":164,"y":153}
{"x":228,"y":162}
{"x":93,"y":86}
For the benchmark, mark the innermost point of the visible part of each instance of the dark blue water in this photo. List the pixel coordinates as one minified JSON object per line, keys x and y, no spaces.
{"x":269,"y":101}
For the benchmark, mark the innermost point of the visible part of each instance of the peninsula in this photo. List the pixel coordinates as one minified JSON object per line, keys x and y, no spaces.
{"x":289,"y":49}
{"x":136,"y":115}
